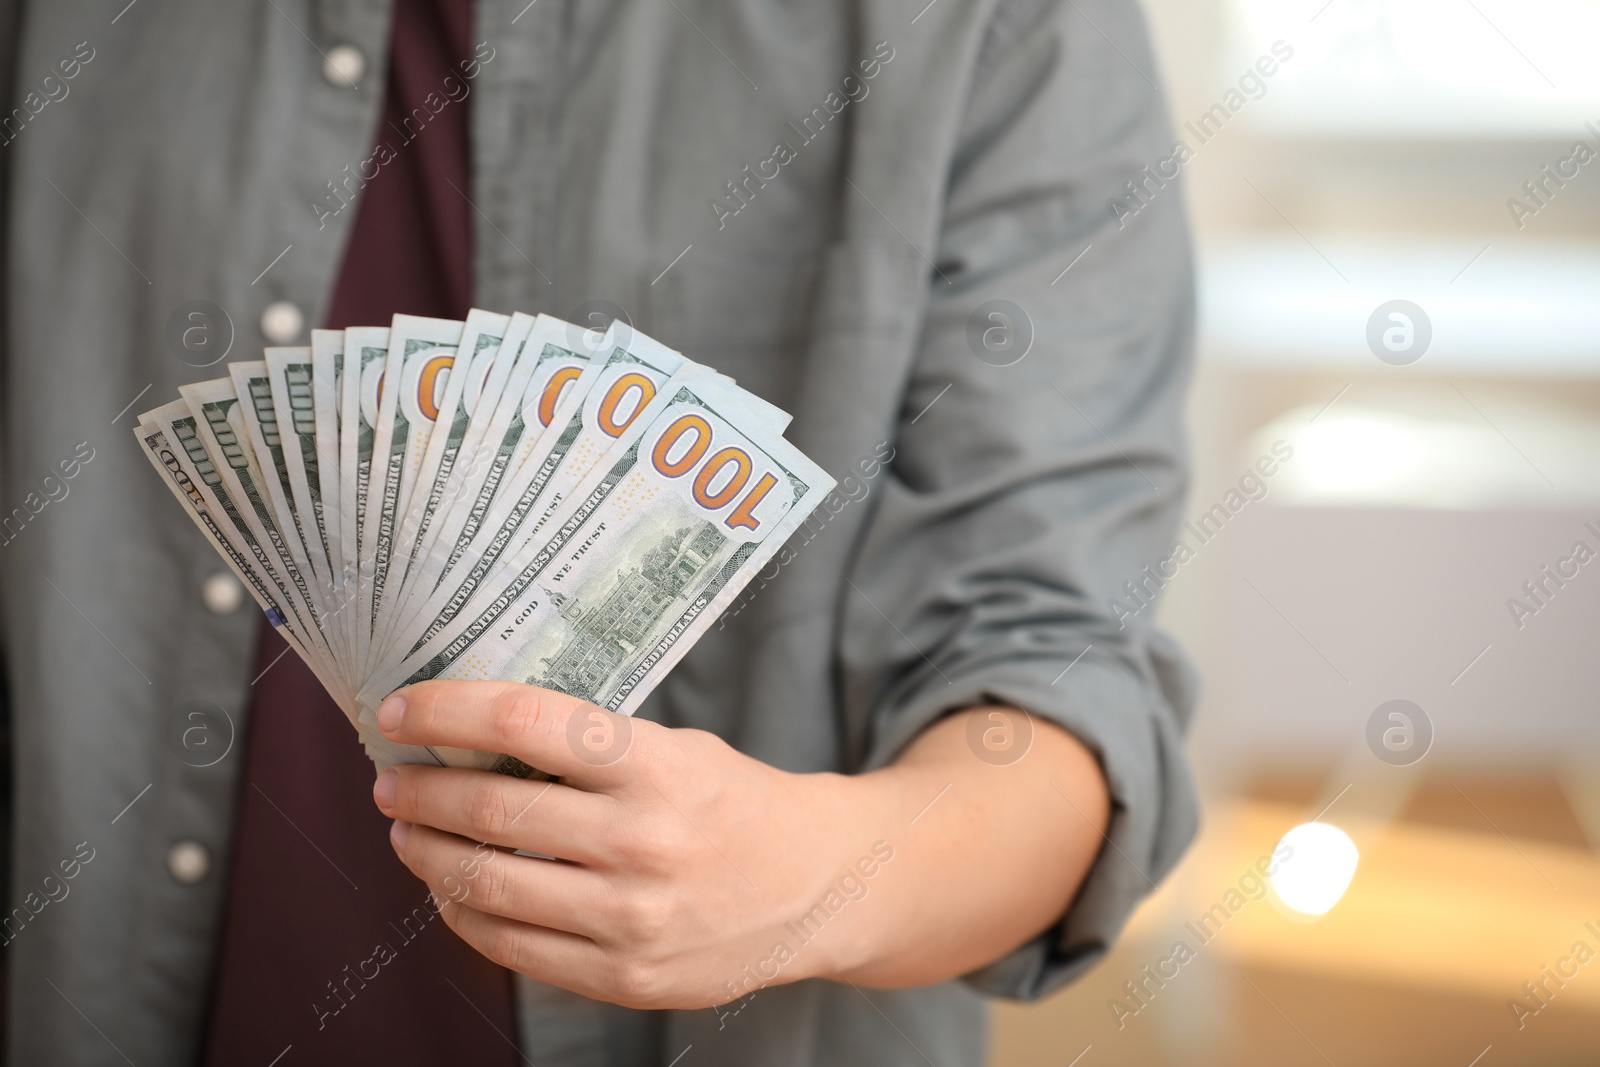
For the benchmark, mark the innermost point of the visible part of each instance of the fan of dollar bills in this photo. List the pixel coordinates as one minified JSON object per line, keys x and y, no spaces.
{"x":512,"y":497}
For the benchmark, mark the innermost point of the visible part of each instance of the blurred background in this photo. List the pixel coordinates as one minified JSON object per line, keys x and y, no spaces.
{"x":1398,"y":233}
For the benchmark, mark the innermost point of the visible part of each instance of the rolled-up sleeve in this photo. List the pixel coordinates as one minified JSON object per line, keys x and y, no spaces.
{"x":1023,"y":497}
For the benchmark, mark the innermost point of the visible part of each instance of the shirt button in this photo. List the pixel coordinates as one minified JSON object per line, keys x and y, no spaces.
{"x":281,"y":322}
{"x":222,"y":594}
{"x":188,"y":862}
{"x":344,"y":66}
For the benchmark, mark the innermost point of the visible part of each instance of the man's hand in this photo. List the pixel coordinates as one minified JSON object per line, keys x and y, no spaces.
{"x":687,"y":874}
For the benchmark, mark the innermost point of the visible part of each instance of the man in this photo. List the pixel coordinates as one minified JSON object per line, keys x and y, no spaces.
{"x":924,"y":746}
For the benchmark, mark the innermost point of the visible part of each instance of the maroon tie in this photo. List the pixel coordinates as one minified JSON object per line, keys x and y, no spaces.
{"x":330,"y":953}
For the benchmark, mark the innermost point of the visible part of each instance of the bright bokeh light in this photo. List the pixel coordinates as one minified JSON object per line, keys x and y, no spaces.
{"x":1436,"y":455}
{"x":1318,"y":870}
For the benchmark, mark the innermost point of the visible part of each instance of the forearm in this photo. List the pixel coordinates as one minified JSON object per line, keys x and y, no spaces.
{"x":985,"y":856}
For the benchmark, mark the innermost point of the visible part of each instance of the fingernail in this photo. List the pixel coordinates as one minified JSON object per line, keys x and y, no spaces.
{"x":383,"y":789}
{"x":391,"y":712}
{"x":398,"y":833}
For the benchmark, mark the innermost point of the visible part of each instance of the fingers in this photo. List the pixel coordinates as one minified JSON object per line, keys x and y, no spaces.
{"x":551,"y":731}
{"x":554,"y":956}
{"x":543,"y":817}
{"x":558,"y":896}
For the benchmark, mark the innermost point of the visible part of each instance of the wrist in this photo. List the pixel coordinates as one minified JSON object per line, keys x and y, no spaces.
{"x":985,"y":856}
{"x":848,"y":921}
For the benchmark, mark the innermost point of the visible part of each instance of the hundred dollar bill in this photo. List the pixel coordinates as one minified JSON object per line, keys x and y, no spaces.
{"x":253,"y":389}
{"x":599,"y":408}
{"x":577,"y":423}
{"x":491,"y":449}
{"x":365,"y":350}
{"x":221,"y":428}
{"x":187,"y":466}
{"x":656,"y":545}
{"x":271,"y":450}
{"x":291,"y":373}
{"x":437,"y":475}
{"x":500,"y":371}
{"x":327,"y":373}
{"x":609,"y":395}
{"x":267,"y":444}
{"x":289,"y":380}
{"x":226,"y":531}
{"x":421,"y":353}
{"x":430,"y":353}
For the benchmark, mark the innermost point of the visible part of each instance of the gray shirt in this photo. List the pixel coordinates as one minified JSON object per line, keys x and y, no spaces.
{"x":820,"y":199}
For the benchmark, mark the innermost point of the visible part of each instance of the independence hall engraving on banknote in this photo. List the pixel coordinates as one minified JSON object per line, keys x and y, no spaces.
{"x":603,"y":636}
